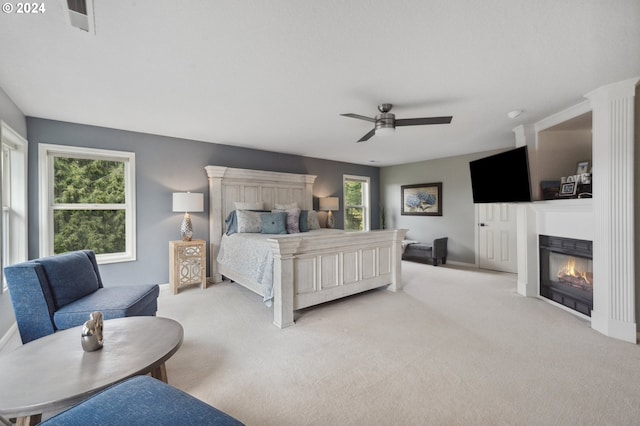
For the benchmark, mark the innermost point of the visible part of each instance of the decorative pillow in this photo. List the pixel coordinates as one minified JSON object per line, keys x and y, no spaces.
{"x":286,"y":206}
{"x":293,"y":219}
{"x":312,"y":217}
{"x":249,"y":206}
{"x":303,"y":223}
{"x":249,"y":222}
{"x":231,"y":222}
{"x":274,"y":223}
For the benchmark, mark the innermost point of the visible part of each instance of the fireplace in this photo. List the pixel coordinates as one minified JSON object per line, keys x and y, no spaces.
{"x":566,"y":272}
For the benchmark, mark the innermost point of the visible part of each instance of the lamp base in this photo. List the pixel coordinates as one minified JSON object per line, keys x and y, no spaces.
{"x":330,"y":222}
{"x":186,"y":229}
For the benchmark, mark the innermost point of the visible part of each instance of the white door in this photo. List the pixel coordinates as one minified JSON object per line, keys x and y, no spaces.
{"x":496,"y":228}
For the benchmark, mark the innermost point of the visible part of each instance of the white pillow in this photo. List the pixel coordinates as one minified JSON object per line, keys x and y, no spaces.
{"x":286,"y":206}
{"x":312,"y":220}
{"x":249,"y":221}
{"x":249,"y":206}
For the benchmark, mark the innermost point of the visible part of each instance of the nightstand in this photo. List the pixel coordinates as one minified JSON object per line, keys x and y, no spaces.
{"x":187,"y":263}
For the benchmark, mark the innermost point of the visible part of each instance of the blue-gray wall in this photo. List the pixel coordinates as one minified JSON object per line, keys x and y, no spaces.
{"x":165,"y":165}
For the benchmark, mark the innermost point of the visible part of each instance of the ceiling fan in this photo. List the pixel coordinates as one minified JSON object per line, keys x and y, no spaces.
{"x":386,"y":122}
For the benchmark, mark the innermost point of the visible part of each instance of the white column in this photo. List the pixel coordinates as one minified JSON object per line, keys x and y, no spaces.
{"x":527,"y":236}
{"x":613,"y":179}
{"x":215,"y":174}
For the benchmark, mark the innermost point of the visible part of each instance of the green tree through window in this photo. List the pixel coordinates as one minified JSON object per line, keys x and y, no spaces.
{"x":98,"y":183}
{"x":87,"y":201}
{"x":356,"y":203}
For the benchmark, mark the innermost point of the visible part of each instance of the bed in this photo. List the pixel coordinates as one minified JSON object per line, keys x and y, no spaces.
{"x":305,"y":269}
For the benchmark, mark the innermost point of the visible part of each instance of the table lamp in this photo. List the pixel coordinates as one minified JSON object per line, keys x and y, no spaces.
{"x":328,"y":204}
{"x":187,"y":202}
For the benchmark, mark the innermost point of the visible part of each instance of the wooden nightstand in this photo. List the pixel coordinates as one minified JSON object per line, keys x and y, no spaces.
{"x":187,"y":263}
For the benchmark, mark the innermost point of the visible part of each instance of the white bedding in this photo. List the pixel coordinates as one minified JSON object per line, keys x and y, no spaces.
{"x":251,"y":254}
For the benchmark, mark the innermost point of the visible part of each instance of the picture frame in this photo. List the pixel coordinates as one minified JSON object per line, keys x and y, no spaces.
{"x":582,"y":167}
{"x":568,"y":189}
{"x":422,"y":199}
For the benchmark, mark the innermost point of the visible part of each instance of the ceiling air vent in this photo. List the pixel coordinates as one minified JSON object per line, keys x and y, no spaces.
{"x":81,"y":14}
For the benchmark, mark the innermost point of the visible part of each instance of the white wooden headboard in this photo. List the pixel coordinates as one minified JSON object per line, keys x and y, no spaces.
{"x":229,"y":185}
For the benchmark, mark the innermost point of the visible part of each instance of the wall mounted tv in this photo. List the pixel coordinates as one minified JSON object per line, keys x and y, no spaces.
{"x":501,"y":178}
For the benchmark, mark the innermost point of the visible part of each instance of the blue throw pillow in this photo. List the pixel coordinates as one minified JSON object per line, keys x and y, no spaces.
{"x":232,"y":223}
{"x":304,"y":221}
{"x":274,"y":223}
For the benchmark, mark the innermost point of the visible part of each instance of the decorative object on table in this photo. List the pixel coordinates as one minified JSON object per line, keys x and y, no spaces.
{"x":92,"y":335}
{"x":422,"y":199}
{"x":328,"y":204}
{"x":187,"y":202}
{"x":582,"y":167}
{"x":568,"y":189}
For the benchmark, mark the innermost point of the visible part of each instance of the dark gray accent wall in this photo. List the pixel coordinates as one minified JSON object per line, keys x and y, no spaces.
{"x":165,"y":165}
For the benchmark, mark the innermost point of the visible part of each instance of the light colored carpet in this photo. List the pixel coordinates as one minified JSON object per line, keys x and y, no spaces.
{"x":457,"y":347}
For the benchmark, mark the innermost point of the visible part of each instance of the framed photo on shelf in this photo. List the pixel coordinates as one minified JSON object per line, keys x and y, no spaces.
{"x":582,"y":167}
{"x":568,"y":189}
{"x":423,"y":199}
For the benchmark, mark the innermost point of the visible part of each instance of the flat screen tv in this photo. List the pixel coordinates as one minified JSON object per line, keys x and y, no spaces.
{"x":501,"y":178}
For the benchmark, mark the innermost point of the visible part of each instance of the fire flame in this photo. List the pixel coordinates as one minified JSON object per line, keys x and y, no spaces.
{"x":570,"y":270}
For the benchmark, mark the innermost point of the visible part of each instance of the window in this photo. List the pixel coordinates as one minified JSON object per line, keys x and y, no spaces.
{"x":87,"y":202}
{"x":356,"y":203}
{"x":13,"y":174}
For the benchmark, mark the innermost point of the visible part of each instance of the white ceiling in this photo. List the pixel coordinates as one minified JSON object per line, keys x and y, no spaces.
{"x":276,"y":74}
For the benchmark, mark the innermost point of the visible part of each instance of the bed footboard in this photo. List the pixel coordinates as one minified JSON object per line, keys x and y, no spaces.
{"x":312,"y":271}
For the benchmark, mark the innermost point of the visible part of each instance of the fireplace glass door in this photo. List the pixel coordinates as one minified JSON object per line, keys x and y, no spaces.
{"x":566,"y":272}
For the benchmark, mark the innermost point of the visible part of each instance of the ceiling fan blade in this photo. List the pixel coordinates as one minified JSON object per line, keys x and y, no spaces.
{"x":368,"y":135}
{"x":421,"y":121}
{"x":359,"y":117}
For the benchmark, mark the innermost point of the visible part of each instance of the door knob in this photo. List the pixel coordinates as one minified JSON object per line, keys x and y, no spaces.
{"x":483,"y":224}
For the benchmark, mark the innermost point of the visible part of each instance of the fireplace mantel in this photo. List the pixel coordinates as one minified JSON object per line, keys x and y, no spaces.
{"x":572,"y":218}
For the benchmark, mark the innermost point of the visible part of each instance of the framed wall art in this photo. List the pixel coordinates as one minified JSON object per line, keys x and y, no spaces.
{"x":568,"y":189}
{"x":582,"y":167}
{"x":422,"y":199}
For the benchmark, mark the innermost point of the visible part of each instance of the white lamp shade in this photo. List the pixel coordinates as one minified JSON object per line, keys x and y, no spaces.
{"x":329,"y":203}
{"x":188,"y":202}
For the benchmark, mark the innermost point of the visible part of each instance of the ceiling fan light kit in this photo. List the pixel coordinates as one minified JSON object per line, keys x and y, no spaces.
{"x":385,"y":123}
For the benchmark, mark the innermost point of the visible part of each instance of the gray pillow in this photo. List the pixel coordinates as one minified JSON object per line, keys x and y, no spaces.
{"x":314,"y":223}
{"x":293,"y":220}
{"x":249,"y":222}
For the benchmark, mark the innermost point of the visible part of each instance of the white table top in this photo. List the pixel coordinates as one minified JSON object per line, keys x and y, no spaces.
{"x":54,"y":372}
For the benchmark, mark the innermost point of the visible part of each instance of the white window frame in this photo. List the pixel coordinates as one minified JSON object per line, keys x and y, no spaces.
{"x":46,"y":154}
{"x":366,"y":200}
{"x":14,"y":229}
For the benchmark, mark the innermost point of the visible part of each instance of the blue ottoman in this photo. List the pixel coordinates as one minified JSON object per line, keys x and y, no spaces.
{"x":142,"y":401}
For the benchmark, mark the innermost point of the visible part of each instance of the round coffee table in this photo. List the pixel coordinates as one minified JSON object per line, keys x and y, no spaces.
{"x":54,"y":372}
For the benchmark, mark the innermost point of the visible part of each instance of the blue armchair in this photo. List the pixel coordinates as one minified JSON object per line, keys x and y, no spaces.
{"x":59,"y":292}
